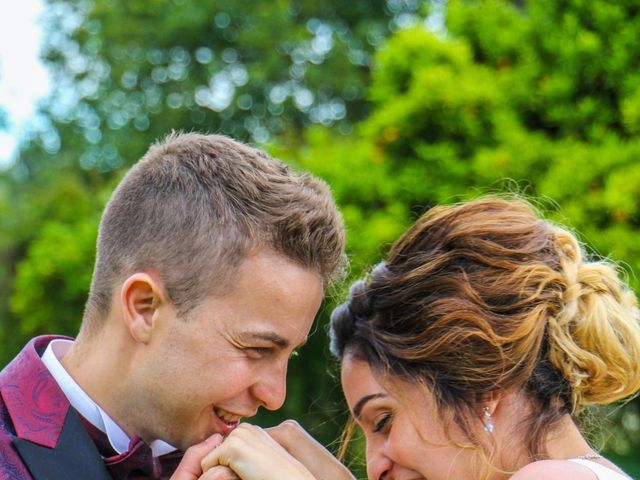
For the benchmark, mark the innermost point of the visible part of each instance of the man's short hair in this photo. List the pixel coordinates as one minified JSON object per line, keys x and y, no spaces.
{"x":195,"y":205}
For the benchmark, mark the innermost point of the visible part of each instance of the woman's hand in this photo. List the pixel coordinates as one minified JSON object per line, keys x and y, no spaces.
{"x":317,"y":459}
{"x":253,"y":455}
{"x":190,"y":467}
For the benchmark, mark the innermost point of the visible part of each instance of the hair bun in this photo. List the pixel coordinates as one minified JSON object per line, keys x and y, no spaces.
{"x":594,"y":340}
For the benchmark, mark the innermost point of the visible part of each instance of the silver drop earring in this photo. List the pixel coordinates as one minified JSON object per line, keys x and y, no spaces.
{"x":486,"y":419}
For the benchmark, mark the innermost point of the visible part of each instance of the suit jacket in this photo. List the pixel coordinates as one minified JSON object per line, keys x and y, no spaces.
{"x":41,"y":436}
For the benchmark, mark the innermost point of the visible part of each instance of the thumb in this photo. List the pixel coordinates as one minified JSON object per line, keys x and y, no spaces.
{"x":189,"y":468}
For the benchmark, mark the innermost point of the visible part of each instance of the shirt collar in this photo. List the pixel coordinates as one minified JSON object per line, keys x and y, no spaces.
{"x":89,"y":409}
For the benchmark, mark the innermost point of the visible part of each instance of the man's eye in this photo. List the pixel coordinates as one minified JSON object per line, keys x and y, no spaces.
{"x":378,"y":427}
{"x":258,"y":352}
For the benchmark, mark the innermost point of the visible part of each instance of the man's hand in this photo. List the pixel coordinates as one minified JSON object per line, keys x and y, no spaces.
{"x":190,"y":467}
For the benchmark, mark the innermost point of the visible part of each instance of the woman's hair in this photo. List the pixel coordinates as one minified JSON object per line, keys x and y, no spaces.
{"x":484,"y":297}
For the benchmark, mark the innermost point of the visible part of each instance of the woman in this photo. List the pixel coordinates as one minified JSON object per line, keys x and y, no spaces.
{"x":469,"y":352}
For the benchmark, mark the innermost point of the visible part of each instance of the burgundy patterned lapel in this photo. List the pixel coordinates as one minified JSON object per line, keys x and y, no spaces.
{"x":50,"y":437}
{"x":36,"y":404}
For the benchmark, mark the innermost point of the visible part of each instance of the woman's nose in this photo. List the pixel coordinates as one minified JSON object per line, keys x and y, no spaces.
{"x":378,"y":465}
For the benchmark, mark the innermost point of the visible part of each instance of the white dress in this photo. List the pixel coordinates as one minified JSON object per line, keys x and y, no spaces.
{"x":601,"y":472}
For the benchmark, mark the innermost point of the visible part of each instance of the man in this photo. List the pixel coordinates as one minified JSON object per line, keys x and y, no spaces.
{"x":212,"y":259}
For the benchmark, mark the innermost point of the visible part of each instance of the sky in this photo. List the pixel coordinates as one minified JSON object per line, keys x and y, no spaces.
{"x":23,"y":79}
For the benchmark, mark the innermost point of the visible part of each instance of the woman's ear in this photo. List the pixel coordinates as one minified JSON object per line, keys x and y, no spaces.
{"x":487,"y":408}
{"x":141,"y":295}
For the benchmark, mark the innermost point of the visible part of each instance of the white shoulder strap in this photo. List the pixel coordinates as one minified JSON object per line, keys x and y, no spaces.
{"x":602,"y":472}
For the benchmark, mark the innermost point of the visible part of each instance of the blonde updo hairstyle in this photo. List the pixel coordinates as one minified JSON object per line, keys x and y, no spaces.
{"x":486,"y":296}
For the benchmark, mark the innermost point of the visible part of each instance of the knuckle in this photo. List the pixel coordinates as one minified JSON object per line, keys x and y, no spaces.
{"x":290,"y":425}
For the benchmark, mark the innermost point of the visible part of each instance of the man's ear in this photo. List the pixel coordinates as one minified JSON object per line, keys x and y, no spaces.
{"x":141,"y":295}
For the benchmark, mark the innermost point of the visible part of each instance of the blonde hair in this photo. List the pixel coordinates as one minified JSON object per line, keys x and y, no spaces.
{"x":594,"y":340}
{"x":486,"y":296}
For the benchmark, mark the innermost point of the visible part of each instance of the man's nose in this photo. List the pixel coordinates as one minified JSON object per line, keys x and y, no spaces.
{"x":271,"y":388}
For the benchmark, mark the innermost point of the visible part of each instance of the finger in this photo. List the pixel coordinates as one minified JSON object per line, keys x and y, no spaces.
{"x":235,"y":442}
{"x":295,"y":439}
{"x":213,"y":458}
{"x":286,"y":433}
{"x":219,"y":472}
{"x":189,"y":468}
{"x":308,"y":451}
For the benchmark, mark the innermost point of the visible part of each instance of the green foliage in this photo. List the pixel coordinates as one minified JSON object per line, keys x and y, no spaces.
{"x":49,"y":266}
{"x":128,"y":71}
{"x":54,"y":277}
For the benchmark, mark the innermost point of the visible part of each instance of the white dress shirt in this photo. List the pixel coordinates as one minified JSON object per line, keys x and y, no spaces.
{"x":86,"y":406}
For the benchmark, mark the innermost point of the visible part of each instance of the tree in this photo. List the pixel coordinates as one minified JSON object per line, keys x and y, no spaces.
{"x":127,"y":72}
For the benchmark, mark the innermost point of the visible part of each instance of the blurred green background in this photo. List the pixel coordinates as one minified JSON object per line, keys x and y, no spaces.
{"x":397,"y":104}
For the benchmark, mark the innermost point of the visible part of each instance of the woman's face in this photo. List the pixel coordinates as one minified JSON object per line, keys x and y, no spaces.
{"x":405,"y":438}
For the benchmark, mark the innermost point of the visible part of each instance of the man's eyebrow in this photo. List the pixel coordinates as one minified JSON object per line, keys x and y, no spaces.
{"x":361,"y":403}
{"x":271,"y":337}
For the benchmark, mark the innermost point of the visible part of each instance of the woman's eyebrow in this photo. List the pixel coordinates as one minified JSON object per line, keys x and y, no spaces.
{"x":361,"y":403}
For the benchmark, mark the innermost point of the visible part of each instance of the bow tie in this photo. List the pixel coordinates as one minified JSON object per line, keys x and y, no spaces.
{"x":138,"y":462}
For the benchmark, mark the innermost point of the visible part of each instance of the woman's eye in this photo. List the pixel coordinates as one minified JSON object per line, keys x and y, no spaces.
{"x":378,"y":427}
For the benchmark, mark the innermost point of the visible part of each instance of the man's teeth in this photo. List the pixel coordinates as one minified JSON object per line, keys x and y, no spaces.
{"x":226,"y":416}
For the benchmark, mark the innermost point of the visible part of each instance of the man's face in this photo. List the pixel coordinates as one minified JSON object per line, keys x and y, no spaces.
{"x":202,"y":374}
